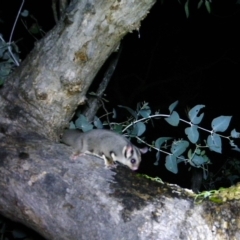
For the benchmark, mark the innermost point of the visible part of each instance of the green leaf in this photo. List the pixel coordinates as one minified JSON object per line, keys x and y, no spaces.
{"x":145,"y":113}
{"x":203,"y":152}
{"x":189,"y":154}
{"x":180,"y":159}
{"x":138,"y":129}
{"x":114,"y":115}
{"x":97,"y":123}
{"x":156,"y":163}
{"x":198,"y":160}
{"x":34,"y":28}
{"x":179,"y":147}
{"x":220,"y":124}
{"x":72,"y":125}
{"x":192,"y":133}
{"x":25,"y":13}
{"x":172,"y":106}
{"x":200,"y":4}
{"x":186,"y":8}
{"x":208,"y":6}
{"x":235,"y":134}
{"x":171,"y":164}
{"x":160,"y":141}
{"x":193,"y":114}
{"x":214,"y":143}
{"x":173,"y":119}
{"x":82,"y":123}
{"x":134,"y":114}
{"x":117,"y":128}
{"x":198,"y":151}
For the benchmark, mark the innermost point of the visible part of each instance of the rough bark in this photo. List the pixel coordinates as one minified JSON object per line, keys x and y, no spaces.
{"x":65,"y":199}
{"x":53,"y":80}
{"x":43,"y":188}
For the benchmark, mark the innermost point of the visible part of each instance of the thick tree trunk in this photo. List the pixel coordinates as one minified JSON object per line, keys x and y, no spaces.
{"x":60,"y":198}
{"x":56,"y":75}
{"x":80,"y":199}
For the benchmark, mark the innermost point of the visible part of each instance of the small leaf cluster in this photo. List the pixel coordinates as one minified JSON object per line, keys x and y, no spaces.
{"x":9,"y":55}
{"x":196,"y":157}
{"x":135,"y":129}
{"x":9,"y":52}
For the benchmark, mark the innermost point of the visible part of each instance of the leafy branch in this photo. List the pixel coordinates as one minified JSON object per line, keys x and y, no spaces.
{"x":175,"y":149}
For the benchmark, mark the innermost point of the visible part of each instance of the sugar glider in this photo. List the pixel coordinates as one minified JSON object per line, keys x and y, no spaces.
{"x":109,"y":145}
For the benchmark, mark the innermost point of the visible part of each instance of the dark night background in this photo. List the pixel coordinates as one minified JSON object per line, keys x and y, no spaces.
{"x":194,"y":60}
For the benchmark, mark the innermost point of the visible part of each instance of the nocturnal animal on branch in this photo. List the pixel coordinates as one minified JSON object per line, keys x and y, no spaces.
{"x":106,"y":144}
